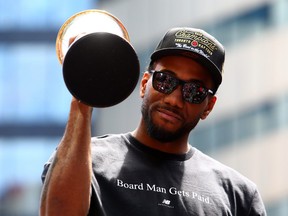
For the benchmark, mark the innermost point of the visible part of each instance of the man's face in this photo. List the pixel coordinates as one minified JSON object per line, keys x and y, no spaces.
{"x":168,"y":117}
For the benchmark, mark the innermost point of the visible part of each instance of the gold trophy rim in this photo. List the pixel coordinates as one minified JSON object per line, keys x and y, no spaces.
{"x":66,"y":24}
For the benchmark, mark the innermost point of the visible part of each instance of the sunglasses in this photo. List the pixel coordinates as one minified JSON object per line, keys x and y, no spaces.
{"x":193,"y":92}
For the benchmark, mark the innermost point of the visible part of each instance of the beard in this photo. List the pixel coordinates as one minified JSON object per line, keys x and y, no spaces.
{"x":160,"y":133}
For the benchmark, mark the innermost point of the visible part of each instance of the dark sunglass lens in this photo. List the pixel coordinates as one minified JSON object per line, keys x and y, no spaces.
{"x":163,"y":82}
{"x":194,"y":92}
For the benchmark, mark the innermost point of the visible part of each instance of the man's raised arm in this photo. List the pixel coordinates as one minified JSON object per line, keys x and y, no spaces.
{"x":66,"y":189}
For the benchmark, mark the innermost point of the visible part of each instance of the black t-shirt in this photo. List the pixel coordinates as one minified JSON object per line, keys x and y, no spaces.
{"x":131,"y":179}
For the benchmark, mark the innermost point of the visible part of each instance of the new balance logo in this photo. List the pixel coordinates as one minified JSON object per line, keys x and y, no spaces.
{"x":166,"y":202}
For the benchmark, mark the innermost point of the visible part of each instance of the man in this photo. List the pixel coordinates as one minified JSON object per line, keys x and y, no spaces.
{"x":152,"y":170}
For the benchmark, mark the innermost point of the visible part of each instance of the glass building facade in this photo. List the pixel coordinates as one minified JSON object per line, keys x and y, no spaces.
{"x":33,"y":98}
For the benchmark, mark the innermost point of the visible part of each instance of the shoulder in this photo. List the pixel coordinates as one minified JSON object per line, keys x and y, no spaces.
{"x":228,"y":176}
{"x":109,"y":144}
{"x":109,"y":137}
{"x":236,"y":186}
{"x":114,"y":139}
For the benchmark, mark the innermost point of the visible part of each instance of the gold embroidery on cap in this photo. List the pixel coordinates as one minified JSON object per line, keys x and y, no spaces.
{"x":192,"y":40}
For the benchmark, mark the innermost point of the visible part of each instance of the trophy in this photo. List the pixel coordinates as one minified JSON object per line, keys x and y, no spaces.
{"x":100,"y":67}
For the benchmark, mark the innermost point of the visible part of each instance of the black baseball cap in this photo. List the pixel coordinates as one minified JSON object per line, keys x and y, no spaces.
{"x":194,"y":43}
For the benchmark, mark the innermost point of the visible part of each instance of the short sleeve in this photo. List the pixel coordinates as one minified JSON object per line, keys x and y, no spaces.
{"x":257,"y":205}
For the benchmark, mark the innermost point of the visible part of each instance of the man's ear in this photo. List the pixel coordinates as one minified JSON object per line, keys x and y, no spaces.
{"x":209,"y":107}
{"x":143,"y":83}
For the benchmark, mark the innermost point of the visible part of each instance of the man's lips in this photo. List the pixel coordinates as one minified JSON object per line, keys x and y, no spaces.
{"x":170,"y":114}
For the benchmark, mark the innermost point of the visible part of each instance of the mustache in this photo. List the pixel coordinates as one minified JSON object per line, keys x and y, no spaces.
{"x":174,"y":110}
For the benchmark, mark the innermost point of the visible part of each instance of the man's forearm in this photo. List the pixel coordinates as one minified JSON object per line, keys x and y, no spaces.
{"x":66,"y":190}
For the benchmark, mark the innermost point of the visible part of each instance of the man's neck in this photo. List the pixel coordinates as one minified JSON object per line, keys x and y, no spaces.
{"x":179,"y":146}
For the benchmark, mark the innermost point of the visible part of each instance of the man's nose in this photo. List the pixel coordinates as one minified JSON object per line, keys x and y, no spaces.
{"x":175,"y":98}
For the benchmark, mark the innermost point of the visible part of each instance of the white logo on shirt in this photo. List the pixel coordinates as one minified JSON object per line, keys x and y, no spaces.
{"x":166,"y":203}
